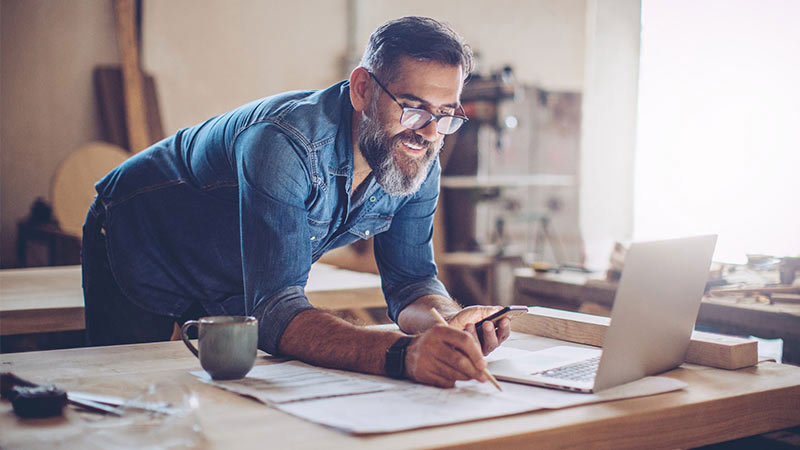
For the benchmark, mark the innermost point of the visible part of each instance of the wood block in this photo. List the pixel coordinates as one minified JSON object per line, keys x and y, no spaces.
{"x":707,"y":349}
{"x":111,"y":104}
{"x":724,"y":352}
{"x":564,"y":325}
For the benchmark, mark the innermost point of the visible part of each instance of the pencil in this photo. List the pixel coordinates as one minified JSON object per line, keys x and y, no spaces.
{"x":486,"y":372}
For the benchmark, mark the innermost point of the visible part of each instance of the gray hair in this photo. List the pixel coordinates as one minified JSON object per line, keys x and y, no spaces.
{"x":421,"y":38}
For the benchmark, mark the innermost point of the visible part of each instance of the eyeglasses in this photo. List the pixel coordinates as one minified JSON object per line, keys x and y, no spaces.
{"x":416,"y":118}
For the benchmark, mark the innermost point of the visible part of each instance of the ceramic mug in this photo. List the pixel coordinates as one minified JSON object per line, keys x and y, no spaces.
{"x":227,"y":344}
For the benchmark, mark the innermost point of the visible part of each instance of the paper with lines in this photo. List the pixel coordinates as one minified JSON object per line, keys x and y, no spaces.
{"x":293,"y":381}
{"x":366,"y":404}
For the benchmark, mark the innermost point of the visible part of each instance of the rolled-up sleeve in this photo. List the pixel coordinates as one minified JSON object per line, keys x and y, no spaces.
{"x":275,"y":244}
{"x":404,"y":253}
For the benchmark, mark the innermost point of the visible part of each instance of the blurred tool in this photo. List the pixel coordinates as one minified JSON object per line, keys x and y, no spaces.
{"x":788,"y":268}
{"x":39,"y":401}
{"x":33,"y":400}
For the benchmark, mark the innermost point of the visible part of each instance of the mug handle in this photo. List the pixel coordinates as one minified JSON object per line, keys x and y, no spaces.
{"x":185,"y":336}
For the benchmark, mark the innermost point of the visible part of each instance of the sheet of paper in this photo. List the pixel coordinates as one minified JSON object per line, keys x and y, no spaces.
{"x":293,"y":381}
{"x":418,"y":406}
{"x":409,"y":407}
{"x":357,"y":403}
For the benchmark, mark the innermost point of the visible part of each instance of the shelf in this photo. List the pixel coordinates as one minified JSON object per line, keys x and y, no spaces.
{"x":498,"y":181}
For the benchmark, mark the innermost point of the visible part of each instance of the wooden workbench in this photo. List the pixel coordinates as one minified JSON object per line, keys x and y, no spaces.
{"x":718,"y":405}
{"x":592,"y":293}
{"x":50,"y":299}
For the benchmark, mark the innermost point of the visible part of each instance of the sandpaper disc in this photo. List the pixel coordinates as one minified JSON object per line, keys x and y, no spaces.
{"x":73,"y":183}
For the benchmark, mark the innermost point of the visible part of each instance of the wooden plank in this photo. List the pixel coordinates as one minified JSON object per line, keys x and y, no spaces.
{"x":111,"y":105}
{"x":133,"y":84}
{"x":483,"y":182}
{"x":563,"y":325}
{"x":42,"y":320}
{"x":785,"y":298}
{"x":708,"y":349}
{"x":756,"y":290}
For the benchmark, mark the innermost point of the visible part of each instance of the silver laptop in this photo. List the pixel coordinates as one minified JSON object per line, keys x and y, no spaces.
{"x":654,"y":312}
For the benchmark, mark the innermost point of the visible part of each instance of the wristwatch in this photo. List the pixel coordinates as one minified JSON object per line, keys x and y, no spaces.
{"x":395,"y":364}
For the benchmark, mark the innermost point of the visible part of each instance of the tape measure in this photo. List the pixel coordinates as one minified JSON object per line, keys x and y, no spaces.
{"x":39,"y":401}
{"x":30,"y":399}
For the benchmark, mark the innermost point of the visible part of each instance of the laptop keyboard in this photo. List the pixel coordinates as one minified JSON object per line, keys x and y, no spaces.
{"x":580,"y":371}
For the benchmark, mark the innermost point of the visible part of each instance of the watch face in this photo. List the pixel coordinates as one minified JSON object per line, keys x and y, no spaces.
{"x":395,"y":365}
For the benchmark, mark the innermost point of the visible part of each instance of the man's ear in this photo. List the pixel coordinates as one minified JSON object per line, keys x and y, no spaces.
{"x":360,"y":89}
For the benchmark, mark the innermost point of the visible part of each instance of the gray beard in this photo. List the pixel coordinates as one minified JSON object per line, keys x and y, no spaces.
{"x":397,"y":173}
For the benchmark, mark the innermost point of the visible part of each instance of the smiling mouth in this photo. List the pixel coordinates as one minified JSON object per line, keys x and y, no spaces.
{"x":414,"y":148}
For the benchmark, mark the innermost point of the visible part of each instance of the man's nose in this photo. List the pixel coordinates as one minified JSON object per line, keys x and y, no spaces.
{"x":429,"y":131}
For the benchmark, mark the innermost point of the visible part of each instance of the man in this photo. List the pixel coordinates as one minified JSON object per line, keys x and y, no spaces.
{"x":226,"y":217}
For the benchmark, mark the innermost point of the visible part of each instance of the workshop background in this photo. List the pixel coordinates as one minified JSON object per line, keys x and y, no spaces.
{"x":569,"y":101}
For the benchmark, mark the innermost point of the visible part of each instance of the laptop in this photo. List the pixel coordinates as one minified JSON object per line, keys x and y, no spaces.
{"x":652,"y":320}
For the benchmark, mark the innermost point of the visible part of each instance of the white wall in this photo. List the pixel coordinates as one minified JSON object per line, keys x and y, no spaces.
{"x":721,"y":157}
{"x":222,"y":54}
{"x":47,"y":104}
{"x":608,"y":138}
{"x":211,"y":56}
{"x":542,"y":39}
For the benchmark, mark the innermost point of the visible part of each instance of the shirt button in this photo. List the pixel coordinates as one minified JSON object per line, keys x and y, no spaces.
{"x":313,"y":238}
{"x":372,"y":199}
{"x":366,"y":233}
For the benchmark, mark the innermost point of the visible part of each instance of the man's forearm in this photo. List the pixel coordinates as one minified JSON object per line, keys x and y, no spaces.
{"x":320,"y":338}
{"x":417,"y":317}
{"x":437,"y":355}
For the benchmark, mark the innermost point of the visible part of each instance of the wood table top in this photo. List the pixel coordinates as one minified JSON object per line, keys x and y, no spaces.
{"x":718,"y":405}
{"x":50,"y":299}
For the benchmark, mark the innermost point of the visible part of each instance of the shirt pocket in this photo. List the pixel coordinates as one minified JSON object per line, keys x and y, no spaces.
{"x":370,"y":225}
{"x":318,"y":230}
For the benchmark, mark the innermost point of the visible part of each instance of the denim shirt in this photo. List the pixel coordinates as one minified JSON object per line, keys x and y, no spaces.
{"x":233,"y":212}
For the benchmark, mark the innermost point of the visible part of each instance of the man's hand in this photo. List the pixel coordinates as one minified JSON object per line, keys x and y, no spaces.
{"x":492,"y":338}
{"x":442,"y":355}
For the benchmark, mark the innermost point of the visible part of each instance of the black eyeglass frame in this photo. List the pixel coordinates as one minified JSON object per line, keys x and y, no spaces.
{"x":463,"y":118}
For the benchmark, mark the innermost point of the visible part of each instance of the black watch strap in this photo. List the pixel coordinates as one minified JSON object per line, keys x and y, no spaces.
{"x":395,"y":364}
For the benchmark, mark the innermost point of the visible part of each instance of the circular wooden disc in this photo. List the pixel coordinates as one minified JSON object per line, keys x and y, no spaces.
{"x":73,"y":183}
